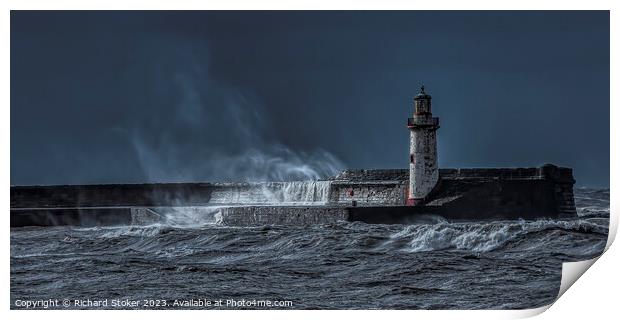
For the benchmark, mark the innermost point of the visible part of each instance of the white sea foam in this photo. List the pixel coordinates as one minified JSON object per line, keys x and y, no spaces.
{"x":273,"y":193}
{"x":593,"y":211}
{"x":133,"y":231}
{"x":296,"y":192}
{"x":483,"y":237}
{"x":190,"y":216}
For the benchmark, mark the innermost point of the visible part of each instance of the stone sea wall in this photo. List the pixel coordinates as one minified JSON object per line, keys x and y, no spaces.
{"x":282,"y":215}
{"x":484,"y":193}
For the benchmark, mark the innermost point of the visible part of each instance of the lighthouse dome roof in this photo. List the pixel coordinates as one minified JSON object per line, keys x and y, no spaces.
{"x":422,"y":94}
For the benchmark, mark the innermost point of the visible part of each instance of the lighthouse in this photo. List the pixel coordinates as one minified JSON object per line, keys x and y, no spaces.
{"x":423,"y":171}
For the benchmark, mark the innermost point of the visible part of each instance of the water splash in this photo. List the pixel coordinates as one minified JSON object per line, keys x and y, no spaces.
{"x":296,"y":192}
{"x":273,"y":193}
{"x":190,"y":216}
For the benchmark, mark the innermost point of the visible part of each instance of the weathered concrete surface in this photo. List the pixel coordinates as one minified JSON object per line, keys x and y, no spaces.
{"x":282,"y":215}
{"x":84,"y":217}
{"x":372,"y":175}
{"x":368,"y":193}
{"x":112,"y":195}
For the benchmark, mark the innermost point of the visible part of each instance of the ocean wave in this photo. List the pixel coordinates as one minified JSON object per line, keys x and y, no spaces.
{"x":471,"y":236}
{"x":592,"y":202}
{"x":136,"y":231}
{"x":484,"y":237}
{"x":593,"y":211}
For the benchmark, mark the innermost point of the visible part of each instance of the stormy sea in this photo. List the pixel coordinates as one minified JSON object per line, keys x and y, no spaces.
{"x":204,"y":265}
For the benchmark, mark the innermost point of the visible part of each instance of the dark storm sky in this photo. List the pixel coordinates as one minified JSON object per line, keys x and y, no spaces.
{"x":102,"y":97}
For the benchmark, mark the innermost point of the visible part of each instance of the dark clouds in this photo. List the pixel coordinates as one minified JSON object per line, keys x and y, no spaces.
{"x":170,"y":96}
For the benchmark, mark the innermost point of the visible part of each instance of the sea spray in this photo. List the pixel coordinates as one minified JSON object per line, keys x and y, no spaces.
{"x":272,"y":193}
{"x":296,"y":192}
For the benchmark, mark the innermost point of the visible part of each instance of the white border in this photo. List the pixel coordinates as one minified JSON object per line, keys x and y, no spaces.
{"x":596,"y":296}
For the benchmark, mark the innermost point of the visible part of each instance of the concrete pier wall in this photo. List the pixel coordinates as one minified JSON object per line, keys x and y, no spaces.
{"x":460,"y":194}
{"x":372,"y":193}
{"x":169,"y":194}
{"x":84,"y":217}
{"x":282,"y":215}
{"x":548,"y":188}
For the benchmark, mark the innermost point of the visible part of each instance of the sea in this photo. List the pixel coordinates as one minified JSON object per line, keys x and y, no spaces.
{"x":204,"y":265}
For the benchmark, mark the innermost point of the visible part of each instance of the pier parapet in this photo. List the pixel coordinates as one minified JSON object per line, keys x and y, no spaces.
{"x":367,"y":195}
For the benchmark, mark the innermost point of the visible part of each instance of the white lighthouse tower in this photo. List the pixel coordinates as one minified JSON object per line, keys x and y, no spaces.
{"x":423,"y":171}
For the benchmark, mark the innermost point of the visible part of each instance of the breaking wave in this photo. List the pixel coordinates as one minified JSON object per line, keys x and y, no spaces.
{"x":190,"y":216}
{"x":274,"y":193}
{"x":484,"y":237}
{"x":297,"y":192}
{"x":592,"y":202}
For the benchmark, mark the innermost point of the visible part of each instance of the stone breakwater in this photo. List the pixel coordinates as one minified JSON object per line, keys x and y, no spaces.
{"x":282,"y":215}
{"x":372,"y":196}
